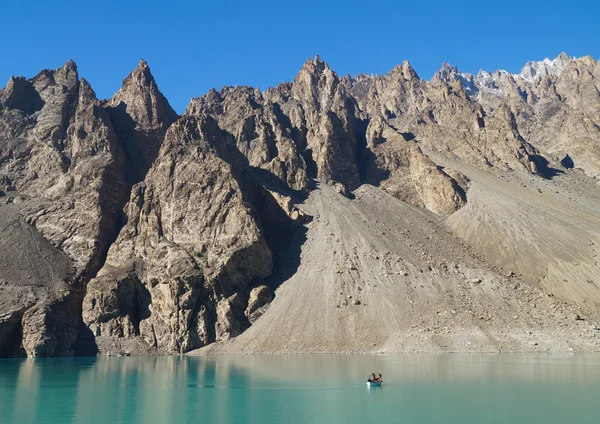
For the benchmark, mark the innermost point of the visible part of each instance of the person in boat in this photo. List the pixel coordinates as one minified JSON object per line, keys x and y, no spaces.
{"x":375,"y":378}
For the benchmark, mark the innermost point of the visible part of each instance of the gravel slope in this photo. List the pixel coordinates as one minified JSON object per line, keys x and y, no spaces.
{"x":547,"y":231}
{"x":420,"y":288}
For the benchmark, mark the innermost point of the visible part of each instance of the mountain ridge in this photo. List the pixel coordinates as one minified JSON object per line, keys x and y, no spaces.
{"x":153,"y":232}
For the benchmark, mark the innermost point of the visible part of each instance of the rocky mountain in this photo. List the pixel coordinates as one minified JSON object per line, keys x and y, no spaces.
{"x":128,"y":228}
{"x":555,"y":105}
{"x":64,"y":184}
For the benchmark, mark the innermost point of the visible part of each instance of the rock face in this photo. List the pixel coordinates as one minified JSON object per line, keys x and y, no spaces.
{"x":263,"y":135}
{"x":63,"y":173}
{"x":310,"y":128}
{"x":441,"y":116}
{"x":404,"y":171}
{"x":61,"y":161}
{"x":331,"y":122}
{"x":192,"y":242}
{"x":145,"y":228}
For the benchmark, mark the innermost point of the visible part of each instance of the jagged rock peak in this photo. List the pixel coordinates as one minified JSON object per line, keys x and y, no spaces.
{"x":316,"y":85}
{"x":318,"y":62}
{"x":86,"y":93}
{"x":405,"y":70}
{"x":16,"y":82}
{"x":70,"y":65}
{"x":212,"y":101}
{"x":447,"y":72}
{"x":68,"y":73}
{"x":141,"y":76}
{"x":20,"y":94}
{"x":446,"y":67}
{"x":546,"y":67}
{"x":316,"y":67}
{"x":143,"y":100}
{"x":564,"y":57}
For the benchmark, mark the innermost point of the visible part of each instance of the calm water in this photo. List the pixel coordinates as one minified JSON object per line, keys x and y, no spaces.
{"x":302,"y":389}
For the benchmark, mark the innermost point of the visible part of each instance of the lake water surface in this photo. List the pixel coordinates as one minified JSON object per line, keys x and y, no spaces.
{"x":447,"y":388}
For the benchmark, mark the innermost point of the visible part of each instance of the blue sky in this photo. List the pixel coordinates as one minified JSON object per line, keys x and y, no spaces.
{"x":192,"y":46}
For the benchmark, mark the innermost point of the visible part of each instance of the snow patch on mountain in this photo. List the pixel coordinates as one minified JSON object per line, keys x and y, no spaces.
{"x":534,"y":70}
{"x":494,"y":82}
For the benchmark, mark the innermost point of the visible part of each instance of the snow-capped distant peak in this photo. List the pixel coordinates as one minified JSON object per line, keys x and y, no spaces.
{"x":534,"y":70}
{"x":494,"y":83}
{"x":447,"y":72}
{"x":451,"y":73}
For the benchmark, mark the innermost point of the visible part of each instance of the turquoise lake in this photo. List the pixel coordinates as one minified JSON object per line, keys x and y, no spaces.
{"x":445,"y":388}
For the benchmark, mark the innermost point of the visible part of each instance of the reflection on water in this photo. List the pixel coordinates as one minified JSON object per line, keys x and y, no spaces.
{"x":449,"y":388}
{"x":403,"y":368}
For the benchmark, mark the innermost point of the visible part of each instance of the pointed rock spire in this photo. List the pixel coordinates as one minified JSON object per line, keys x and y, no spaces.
{"x":67,"y":75}
{"x":330,"y":115}
{"x":68,"y":72}
{"x":408,"y":71}
{"x":86,"y":91}
{"x":315,"y":84}
{"x":143,"y":101}
{"x":315,"y":66}
{"x":563,"y":57}
{"x":141,"y":116}
{"x":561,"y":61}
{"x":446,"y":73}
{"x":405,"y":70}
{"x":141,"y":76}
{"x":70,"y":66}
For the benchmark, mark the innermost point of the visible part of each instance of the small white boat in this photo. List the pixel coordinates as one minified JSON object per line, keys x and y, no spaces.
{"x":374,"y":383}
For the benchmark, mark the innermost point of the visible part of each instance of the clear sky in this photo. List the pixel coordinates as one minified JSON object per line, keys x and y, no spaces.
{"x":192,"y":46}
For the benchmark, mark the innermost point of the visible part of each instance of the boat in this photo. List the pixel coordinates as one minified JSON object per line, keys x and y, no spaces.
{"x":374,"y":380}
